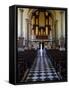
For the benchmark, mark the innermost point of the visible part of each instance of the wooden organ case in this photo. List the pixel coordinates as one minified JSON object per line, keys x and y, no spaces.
{"x":41,"y":23}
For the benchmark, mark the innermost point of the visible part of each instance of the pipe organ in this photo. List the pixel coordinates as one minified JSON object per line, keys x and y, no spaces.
{"x":41,"y":24}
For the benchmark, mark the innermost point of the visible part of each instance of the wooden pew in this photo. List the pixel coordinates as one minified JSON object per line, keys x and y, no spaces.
{"x":58,"y":59}
{"x":24,"y":61}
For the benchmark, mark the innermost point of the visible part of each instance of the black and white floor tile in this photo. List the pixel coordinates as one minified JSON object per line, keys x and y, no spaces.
{"x":42,"y":69}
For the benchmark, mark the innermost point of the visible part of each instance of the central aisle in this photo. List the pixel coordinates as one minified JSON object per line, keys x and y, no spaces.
{"x":42,"y":69}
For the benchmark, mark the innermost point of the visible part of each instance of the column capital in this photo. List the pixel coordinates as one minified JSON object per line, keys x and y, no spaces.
{"x":28,"y":21}
{"x":21,"y":9}
{"x":61,"y":12}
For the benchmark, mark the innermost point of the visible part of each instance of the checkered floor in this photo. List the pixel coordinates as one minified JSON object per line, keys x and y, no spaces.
{"x":42,"y":69}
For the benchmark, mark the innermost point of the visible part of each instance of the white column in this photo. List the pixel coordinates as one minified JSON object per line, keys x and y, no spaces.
{"x":27,"y":24}
{"x":21,"y":33}
{"x":62,"y":37}
{"x":61,"y":24}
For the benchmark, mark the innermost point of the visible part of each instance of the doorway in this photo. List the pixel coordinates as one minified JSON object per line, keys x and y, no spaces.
{"x":41,"y":44}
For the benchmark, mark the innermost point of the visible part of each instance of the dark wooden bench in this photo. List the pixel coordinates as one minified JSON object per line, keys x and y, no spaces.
{"x":58,"y":59}
{"x":24,"y":61}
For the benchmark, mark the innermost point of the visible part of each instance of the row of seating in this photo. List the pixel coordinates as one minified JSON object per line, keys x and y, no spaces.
{"x":24,"y":61}
{"x":59,"y":61}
